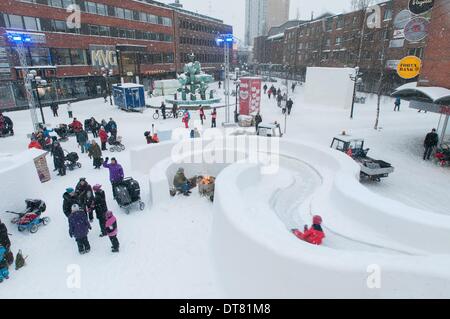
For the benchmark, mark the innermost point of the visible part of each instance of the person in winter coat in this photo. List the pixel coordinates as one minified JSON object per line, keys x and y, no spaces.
{"x":103,"y":138}
{"x":294,"y":84}
{"x":115,"y":173}
{"x":82,"y":138}
{"x":69,"y":199}
{"x":79,"y":227}
{"x":313,"y":235}
{"x":163,"y":110}
{"x":69,"y":110}
{"x":431,"y":141}
{"x":279,"y":99}
{"x":59,"y":158}
{"x":397,"y":104}
{"x":186,"y":118}
{"x":4,"y":272}
{"x":54,"y":106}
{"x":100,"y":207}
{"x":181,"y":183}
{"x":4,"y":238}
{"x":111,"y":230}
{"x":289,"y":105}
{"x":34,"y":144}
{"x":94,"y":126}
{"x":202,"y":114}
{"x":76,"y":126}
{"x":112,"y":127}
{"x":175,"y":110}
{"x":96,"y":154}
{"x":214,"y":118}
{"x":265,"y":88}
{"x":82,"y":190}
{"x":220,"y":84}
{"x":258,"y":120}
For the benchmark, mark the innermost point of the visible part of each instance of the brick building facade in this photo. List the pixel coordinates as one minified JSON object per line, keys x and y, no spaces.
{"x":436,"y":64}
{"x":335,"y":41}
{"x":138,"y":40}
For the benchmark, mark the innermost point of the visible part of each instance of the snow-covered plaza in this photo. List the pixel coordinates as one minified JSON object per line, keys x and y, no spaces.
{"x":241,"y":245}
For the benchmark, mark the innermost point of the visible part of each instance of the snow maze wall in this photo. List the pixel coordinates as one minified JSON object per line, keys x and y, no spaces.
{"x":375,"y":247}
{"x":18,"y":180}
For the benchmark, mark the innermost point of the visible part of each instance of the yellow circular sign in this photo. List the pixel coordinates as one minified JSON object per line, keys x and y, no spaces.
{"x":409,"y":67}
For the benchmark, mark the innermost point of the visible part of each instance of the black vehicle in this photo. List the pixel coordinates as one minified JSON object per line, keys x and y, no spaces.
{"x":128,"y":193}
{"x":71,"y":161}
{"x":371,"y":169}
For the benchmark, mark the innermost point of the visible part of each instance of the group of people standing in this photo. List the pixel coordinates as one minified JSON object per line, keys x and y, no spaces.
{"x":79,"y":205}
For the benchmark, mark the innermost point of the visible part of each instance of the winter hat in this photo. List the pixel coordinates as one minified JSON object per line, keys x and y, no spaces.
{"x":181,"y":170}
{"x":70,"y":190}
{"x":108,"y":214}
{"x":317,"y":220}
{"x":75,"y":208}
{"x":97,"y":187}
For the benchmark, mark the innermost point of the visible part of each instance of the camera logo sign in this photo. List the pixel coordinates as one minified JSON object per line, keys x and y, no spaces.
{"x":409,"y":67}
{"x":420,"y":6}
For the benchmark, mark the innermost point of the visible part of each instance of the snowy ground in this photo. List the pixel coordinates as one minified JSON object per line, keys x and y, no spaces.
{"x":165,"y":250}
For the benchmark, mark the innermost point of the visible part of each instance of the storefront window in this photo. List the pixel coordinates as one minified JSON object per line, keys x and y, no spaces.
{"x":60,"y":56}
{"x":39,"y":56}
{"x":78,"y":56}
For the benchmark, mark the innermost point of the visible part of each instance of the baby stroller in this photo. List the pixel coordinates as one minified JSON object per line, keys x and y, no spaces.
{"x":116,"y":144}
{"x":31,"y":218}
{"x":71,"y":161}
{"x":128,"y":193}
{"x":62,"y":131}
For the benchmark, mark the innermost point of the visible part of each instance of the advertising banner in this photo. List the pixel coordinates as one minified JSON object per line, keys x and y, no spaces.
{"x":249,"y":95}
{"x":103,"y":56}
{"x":409,"y":67}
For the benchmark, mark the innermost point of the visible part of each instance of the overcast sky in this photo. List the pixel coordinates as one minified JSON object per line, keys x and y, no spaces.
{"x":233,"y":11}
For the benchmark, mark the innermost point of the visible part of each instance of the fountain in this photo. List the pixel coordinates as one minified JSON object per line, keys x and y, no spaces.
{"x":194,"y":86}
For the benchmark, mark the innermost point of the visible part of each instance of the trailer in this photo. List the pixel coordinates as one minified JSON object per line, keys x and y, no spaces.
{"x":371,"y":169}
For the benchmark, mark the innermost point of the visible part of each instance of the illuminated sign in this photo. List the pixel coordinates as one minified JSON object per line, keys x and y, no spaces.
{"x":409,"y":67}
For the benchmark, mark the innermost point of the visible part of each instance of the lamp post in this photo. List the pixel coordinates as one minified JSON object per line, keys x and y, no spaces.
{"x":107,"y":74}
{"x":357,"y":80}
{"x":227,"y":40}
{"x":238,"y":84}
{"x":37,"y":83}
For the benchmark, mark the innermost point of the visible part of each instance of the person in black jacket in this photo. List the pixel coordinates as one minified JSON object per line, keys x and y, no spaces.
{"x":69,"y":199}
{"x":431,"y":141}
{"x":258,"y":120}
{"x":163,"y":110}
{"x":82,"y":190}
{"x":59,"y":158}
{"x":4,"y":238}
{"x":100,"y":208}
{"x":289,"y":105}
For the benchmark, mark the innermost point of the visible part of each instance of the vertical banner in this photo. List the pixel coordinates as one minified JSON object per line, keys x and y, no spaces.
{"x":250,"y":96}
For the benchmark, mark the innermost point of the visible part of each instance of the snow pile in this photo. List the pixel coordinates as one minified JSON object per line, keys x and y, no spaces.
{"x":329,"y":86}
{"x":14,"y":170}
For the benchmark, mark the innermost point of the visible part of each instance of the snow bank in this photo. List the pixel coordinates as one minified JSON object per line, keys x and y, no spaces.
{"x":19,"y":179}
{"x":329,"y":86}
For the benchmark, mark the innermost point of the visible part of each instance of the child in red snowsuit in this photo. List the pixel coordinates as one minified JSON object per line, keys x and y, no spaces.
{"x":314,"y":235}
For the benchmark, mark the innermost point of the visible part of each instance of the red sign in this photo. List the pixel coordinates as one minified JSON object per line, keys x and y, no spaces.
{"x":445,"y":110}
{"x":249,"y":96}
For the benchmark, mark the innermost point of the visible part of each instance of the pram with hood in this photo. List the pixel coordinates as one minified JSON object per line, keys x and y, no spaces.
{"x":128,"y":193}
{"x":443,"y":155}
{"x":30,"y":219}
{"x":62,"y":131}
{"x":71,"y":161}
{"x":116,"y":144}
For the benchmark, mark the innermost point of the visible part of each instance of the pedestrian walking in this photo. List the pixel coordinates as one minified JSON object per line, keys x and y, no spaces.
{"x":202,"y":114}
{"x":115,"y":173}
{"x":431,"y":141}
{"x":163,"y":110}
{"x":103,"y":138}
{"x":397,"y":104}
{"x":54,"y":106}
{"x":111,"y":230}
{"x":100,"y":208}
{"x":79,"y":227}
{"x":95,"y":153}
{"x":69,"y":110}
{"x":214,"y":118}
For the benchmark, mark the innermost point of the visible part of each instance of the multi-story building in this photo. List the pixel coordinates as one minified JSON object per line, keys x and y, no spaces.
{"x":197,"y":34}
{"x":139,"y":41}
{"x":262,"y":15}
{"x":336,"y":41}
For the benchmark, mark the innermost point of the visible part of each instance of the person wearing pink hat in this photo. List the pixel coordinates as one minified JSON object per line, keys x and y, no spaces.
{"x":111,"y":229}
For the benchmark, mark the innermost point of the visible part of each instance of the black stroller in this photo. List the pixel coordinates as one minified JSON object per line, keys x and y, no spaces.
{"x":116,"y":144}
{"x":128,"y":193}
{"x":62,"y":131}
{"x":71,"y":161}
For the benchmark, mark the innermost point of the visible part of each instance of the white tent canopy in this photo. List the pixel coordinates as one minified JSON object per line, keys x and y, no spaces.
{"x":432,"y":94}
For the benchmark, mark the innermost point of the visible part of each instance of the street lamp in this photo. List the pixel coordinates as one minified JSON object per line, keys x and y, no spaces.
{"x":357,"y":81}
{"x":38,"y":86}
{"x":226,"y":40}
{"x":107,"y":74}
{"x":236,"y":116}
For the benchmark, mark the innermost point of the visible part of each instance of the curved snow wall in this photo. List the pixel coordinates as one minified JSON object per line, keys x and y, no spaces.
{"x":256,"y":256}
{"x":18,"y":180}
